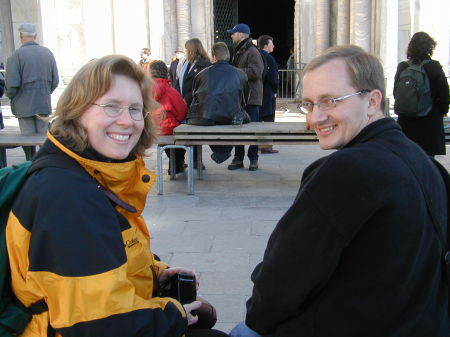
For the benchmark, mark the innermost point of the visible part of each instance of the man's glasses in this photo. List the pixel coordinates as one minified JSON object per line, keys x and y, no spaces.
{"x":326,"y":103}
{"x":114,"y":110}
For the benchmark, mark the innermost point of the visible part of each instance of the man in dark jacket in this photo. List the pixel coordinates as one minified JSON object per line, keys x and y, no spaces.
{"x":270,"y":85}
{"x":358,"y":253}
{"x":220,"y":94}
{"x":247,"y":57}
{"x":31,"y":77}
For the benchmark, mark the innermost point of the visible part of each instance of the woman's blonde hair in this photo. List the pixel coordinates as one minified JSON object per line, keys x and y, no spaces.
{"x":92,"y":81}
{"x":195,"y":50}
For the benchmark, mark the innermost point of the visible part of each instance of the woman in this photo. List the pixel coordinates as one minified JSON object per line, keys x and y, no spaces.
{"x":427,"y":131}
{"x":196,"y":60}
{"x":75,"y":235}
{"x":172,"y":111}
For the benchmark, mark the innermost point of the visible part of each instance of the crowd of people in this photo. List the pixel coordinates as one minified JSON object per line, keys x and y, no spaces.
{"x":361,"y":252}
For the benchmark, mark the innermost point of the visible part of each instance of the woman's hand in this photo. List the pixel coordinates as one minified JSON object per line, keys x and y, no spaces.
{"x":169,"y":272}
{"x":189,"y":307}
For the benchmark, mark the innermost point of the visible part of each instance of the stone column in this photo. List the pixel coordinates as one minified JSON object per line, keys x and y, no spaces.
{"x":6,"y":30}
{"x":184,"y":21}
{"x":322,"y":25}
{"x":360,"y":23}
{"x":343,"y":22}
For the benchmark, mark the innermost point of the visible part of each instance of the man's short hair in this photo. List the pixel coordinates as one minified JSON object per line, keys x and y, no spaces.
{"x":365,"y":70}
{"x":263,"y":40}
{"x":158,"y":69}
{"x":27,"y":29}
{"x":220,"y":51}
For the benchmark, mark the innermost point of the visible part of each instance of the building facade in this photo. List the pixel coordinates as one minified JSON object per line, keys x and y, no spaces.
{"x":79,"y":30}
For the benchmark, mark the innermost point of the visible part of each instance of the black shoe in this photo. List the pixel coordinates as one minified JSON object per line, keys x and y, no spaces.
{"x":217,"y":160}
{"x":177,"y":170}
{"x":195,"y":165}
{"x":253,"y":165}
{"x":236,"y":164}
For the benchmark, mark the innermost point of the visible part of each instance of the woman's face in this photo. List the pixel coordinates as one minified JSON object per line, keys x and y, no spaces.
{"x":115,"y":137}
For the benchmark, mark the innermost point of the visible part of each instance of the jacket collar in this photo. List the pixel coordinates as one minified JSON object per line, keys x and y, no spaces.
{"x":373,"y":130}
{"x":244,"y":45}
{"x":130,"y":181}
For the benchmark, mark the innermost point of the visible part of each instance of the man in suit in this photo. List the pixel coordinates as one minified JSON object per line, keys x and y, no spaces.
{"x":270,"y":85}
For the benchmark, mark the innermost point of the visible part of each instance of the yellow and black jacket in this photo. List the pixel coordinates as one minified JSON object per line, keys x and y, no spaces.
{"x":87,"y":257}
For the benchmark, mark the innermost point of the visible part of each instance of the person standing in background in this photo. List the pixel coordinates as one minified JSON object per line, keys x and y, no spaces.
{"x":196,"y":60}
{"x":247,"y":58}
{"x":31,"y":77}
{"x":179,"y":54}
{"x":426,"y":131}
{"x":270,"y":85}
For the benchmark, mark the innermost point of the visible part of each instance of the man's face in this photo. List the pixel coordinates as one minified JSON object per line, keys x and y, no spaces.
{"x":336,"y":127}
{"x":236,"y":37}
{"x":270,"y":46}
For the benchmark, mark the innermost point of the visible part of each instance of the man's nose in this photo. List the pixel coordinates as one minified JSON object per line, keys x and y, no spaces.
{"x":317,"y":115}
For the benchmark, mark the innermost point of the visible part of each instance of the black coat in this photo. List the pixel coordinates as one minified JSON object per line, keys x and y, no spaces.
{"x":219,"y":93}
{"x":357,"y":254}
{"x":270,"y":85}
{"x":428,"y":131}
{"x":188,"y":79}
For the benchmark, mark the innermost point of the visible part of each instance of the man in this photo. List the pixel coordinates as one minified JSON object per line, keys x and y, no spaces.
{"x":270,"y":85}
{"x":247,"y":57}
{"x":220,"y":93}
{"x":358,"y":253}
{"x":31,"y":76}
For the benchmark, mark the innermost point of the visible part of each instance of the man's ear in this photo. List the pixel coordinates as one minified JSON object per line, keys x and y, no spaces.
{"x":374,"y":102}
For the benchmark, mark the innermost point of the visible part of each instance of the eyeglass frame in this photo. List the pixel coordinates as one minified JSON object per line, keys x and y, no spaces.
{"x":121,"y":109}
{"x":334,"y":100}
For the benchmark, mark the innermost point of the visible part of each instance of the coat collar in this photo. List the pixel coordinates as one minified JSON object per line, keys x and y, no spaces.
{"x":130,"y":181}
{"x":373,"y":130}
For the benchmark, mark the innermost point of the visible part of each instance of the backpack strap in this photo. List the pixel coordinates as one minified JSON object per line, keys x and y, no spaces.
{"x":443,"y":239}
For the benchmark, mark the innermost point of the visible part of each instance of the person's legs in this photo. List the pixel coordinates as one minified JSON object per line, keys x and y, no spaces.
{"x":252,"y":153}
{"x":179,"y":159}
{"x":242,"y":330}
{"x":27,"y":127}
{"x":220,"y":152}
{"x":268,"y":148}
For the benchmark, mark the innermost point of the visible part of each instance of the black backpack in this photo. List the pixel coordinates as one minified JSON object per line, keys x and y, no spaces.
{"x":14,"y":317}
{"x":412,"y":92}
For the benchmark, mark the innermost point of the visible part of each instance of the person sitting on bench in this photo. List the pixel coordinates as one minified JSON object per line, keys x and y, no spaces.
{"x":220,"y":94}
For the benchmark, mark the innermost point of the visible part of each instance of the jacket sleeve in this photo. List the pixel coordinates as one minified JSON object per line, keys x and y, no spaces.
{"x":12,"y":77}
{"x":272,"y":75}
{"x":179,"y":108}
{"x":255,"y":65}
{"x":439,"y":85}
{"x":55,"y":75}
{"x":92,"y":268}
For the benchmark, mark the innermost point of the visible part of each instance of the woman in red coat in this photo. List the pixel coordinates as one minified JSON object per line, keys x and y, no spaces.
{"x":172,"y":111}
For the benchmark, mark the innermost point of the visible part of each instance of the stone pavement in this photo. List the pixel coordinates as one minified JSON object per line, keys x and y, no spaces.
{"x":221,"y":231}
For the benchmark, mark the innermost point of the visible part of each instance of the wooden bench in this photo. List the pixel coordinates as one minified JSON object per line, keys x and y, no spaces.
{"x":255,"y":133}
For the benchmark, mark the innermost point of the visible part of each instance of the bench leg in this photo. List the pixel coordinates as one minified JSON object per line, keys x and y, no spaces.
{"x":160,"y":169}
{"x":190,"y":151}
{"x":172,"y":164}
{"x":199,"y":162}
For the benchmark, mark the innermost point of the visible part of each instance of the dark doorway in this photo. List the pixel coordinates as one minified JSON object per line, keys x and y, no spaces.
{"x":274,"y":18}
